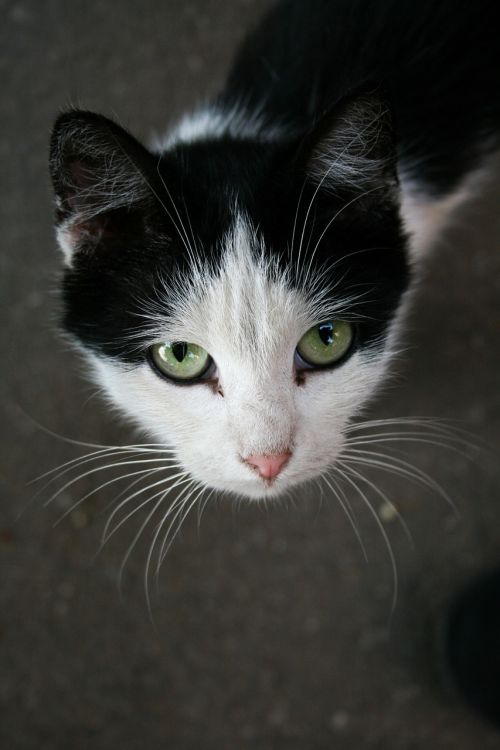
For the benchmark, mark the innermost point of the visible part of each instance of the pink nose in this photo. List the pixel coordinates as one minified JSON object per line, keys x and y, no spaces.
{"x":269,"y":466}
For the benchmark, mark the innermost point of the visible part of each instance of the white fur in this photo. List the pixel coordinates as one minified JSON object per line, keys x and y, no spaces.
{"x":66,"y":242}
{"x":213,"y":122}
{"x":246,"y":315}
{"x":425,"y":217}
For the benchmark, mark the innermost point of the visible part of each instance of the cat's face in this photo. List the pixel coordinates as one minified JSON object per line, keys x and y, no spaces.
{"x":237,"y":251}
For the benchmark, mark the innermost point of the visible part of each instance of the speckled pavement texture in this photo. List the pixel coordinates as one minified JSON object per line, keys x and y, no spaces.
{"x":270,"y":630}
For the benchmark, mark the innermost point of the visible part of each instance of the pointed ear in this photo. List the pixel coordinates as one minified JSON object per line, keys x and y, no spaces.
{"x":352,"y":150}
{"x":99,"y":173}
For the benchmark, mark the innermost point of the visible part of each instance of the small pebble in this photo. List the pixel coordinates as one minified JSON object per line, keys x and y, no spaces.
{"x":340,"y":720}
{"x":387,"y":513}
{"x":79,"y":519}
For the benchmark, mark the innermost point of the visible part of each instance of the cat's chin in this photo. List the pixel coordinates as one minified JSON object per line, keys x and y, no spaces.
{"x":259,"y":490}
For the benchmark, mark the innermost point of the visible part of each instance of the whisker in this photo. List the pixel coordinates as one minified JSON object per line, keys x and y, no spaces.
{"x":129,"y":486}
{"x":94,"y":471}
{"x":297,"y":215}
{"x":81,"y":500}
{"x":114,"y":450}
{"x":189,"y":223}
{"x":385,"y":499}
{"x":334,"y":217}
{"x":346,"y":507}
{"x":406,"y":438}
{"x":318,"y":187}
{"x":72,"y":441}
{"x":138,"y":535}
{"x":184,"y":237}
{"x":165,"y":547}
{"x":400,"y":468}
{"x":163,"y":493}
{"x":178,"y":504}
{"x":106,"y":534}
{"x":167,"y":461}
{"x":203,"y":506}
{"x":348,"y":478}
{"x":434,"y":424}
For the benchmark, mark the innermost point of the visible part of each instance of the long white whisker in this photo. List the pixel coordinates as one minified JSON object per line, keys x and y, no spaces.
{"x":184,"y":237}
{"x":72,"y":441}
{"x":384,"y":498}
{"x":189,"y":223}
{"x":138,"y":535}
{"x":95,"y":470}
{"x":154,"y":192}
{"x":334,"y":217}
{"x":345,"y":505}
{"x":297,"y":215}
{"x":179,"y":504}
{"x":81,"y":500}
{"x":165,"y":460}
{"x":405,"y":438}
{"x":165,"y":547}
{"x":398,"y":466}
{"x":430,"y":423}
{"x":347,"y":477}
{"x":321,"y":182}
{"x":143,"y":526}
{"x":203,"y":506}
{"x":106,"y":534}
{"x":113,"y":450}
{"x":129,"y":486}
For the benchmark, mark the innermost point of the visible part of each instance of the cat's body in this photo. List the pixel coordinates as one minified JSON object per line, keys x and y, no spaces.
{"x":346,"y":135}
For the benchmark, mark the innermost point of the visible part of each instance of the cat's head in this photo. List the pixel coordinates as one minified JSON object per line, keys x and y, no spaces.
{"x":235,"y":296}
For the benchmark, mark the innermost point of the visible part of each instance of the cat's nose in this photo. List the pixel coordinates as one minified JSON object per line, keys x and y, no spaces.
{"x":269,"y":466}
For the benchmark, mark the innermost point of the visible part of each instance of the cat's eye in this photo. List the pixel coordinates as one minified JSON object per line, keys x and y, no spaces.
{"x":326,"y":343}
{"x":180,"y":361}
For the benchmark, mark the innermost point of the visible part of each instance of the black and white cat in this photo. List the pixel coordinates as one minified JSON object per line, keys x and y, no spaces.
{"x":237,"y":290}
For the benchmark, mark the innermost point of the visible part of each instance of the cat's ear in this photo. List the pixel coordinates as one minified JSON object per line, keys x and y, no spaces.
{"x":100,"y":173}
{"x":351,"y":150}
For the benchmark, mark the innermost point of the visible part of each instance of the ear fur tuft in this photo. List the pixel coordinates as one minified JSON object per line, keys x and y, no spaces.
{"x":352,"y":148}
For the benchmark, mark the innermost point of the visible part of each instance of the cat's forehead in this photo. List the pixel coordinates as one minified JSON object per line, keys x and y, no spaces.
{"x":244,"y":302}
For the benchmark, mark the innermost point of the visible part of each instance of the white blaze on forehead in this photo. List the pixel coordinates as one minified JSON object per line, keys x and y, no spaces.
{"x":248,"y":307}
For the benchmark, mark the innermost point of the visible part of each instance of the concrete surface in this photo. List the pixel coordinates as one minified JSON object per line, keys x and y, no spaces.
{"x":270,"y":630}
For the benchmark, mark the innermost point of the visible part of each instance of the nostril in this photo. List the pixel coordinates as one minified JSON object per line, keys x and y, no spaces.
{"x":268,"y":466}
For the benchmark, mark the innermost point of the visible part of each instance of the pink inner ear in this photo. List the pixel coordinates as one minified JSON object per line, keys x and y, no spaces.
{"x":82,"y":175}
{"x":81,"y":178}
{"x":92,"y":229}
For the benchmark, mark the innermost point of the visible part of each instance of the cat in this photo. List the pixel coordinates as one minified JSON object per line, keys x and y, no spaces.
{"x":238,"y":290}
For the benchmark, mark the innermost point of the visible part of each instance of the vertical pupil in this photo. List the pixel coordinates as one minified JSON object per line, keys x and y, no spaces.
{"x":325,"y":331}
{"x":179,"y":350}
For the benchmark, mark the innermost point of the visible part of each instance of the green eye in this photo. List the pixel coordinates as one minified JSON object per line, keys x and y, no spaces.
{"x":326,"y":343}
{"x":179,"y":360}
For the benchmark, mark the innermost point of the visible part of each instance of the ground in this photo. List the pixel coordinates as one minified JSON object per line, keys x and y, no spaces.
{"x":270,"y":630}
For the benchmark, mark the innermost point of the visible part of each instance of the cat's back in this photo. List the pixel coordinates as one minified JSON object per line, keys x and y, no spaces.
{"x":438,"y":64}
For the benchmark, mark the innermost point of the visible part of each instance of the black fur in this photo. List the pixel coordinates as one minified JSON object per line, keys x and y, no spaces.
{"x":438,"y":62}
